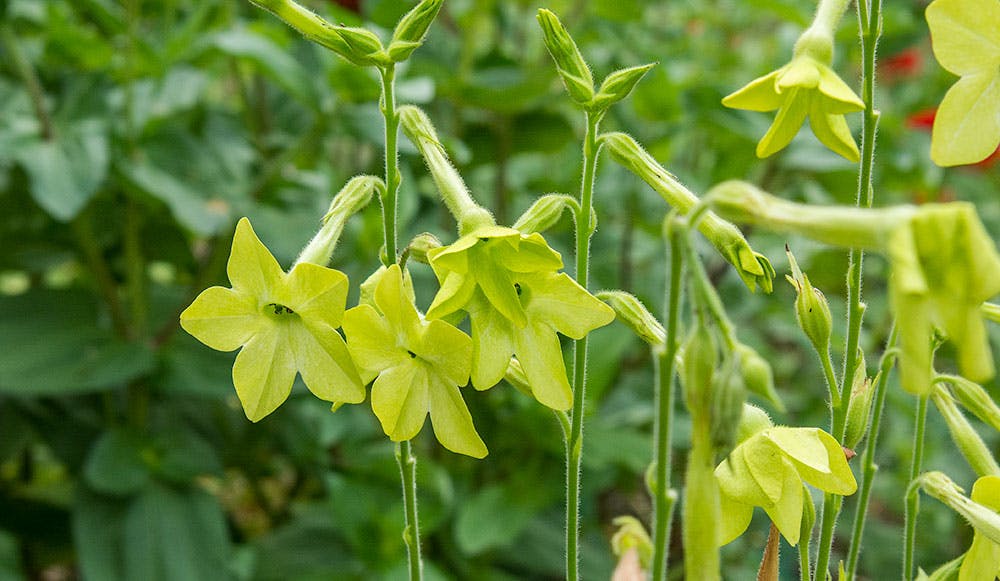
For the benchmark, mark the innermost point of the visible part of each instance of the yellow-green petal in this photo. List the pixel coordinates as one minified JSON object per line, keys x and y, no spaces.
{"x":222,"y":318}
{"x":736,"y":518}
{"x":395,"y":303}
{"x":455,"y":292}
{"x":371,"y":342}
{"x":759,"y":94}
{"x":967,"y":124}
{"x":833,"y":132}
{"x":325,"y":364}
{"x":451,"y":420}
{"x":817,"y":456}
{"x":737,"y":482}
{"x":492,"y":343}
{"x":965,"y":34}
{"x":786,"y":123}
{"x":768,"y":467}
{"x":982,"y":561}
{"x":537,"y":348}
{"x":447,"y":349}
{"x":496,"y":284}
{"x":559,"y":301}
{"x":786,"y":514}
{"x":400,"y":400}
{"x":252,"y":269}
{"x":532,"y":254}
{"x":802,"y":73}
{"x":317,"y":293}
{"x":840,"y":98}
{"x":264,"y":372}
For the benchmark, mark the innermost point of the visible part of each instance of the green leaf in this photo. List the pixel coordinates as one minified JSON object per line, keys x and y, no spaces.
{"x":272,"y":59}
{"x":10,"y":560}
{"x":117,"y":464}
{"x":191,"y":208}
{"x":618,"y":85}
{"x":491,"y":519}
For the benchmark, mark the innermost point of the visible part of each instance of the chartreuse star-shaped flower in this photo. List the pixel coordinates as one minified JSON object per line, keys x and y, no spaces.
{"x":417,"y":366}
{"x":965,"y":36}
{"x":805,"y":87}
{"x":285,"y":323}
{"x":982,"y":560}
{"x":517,"y":302}
{"x":944,"y":266}
{"x":768,"y":469}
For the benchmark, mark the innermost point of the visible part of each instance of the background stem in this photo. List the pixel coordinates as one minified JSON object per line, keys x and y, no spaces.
{"x":411,"y":534}
{"x":913,"y":495}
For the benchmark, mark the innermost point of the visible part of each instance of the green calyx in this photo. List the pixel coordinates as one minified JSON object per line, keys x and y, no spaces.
{"x":417,"y":365}
{"x":285,"y":323}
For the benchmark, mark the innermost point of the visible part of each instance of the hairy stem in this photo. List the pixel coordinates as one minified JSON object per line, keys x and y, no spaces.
{"x":574,"y":446}
{"x":913,"y":496}
{"x":663,"y":502}
{"x":411,"y":534}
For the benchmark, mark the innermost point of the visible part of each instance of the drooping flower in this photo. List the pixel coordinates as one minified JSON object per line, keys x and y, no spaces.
{"x":982,"y":560}
{"x":286,"y":323}
{"x":418,"y":366}
{"x":805,"y":87}
{"x":517,"y":302}
{"x":965,"y":36}
{"x":769,"y":469}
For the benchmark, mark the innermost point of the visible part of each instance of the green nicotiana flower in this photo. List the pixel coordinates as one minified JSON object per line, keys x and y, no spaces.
{"x":517,"y":302}
{"x":982,"y":560}
{"x":805,"y":87}
{"x":966,"y":41}
{"x":417,"y":365}
{"x":285,"y":323}
{"x":944,"y":266}
{"x":768,"y":470}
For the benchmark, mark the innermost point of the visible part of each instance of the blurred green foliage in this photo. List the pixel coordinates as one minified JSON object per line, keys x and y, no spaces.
{"x":134,"y":134}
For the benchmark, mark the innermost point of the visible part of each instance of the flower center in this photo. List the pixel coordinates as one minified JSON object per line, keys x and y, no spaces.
{"x":278,"y":309}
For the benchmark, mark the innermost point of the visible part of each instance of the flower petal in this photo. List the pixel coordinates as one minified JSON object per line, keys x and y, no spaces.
{"x":768,"y":467}
{"x":801,"y":73}
{"x":371,"y":342}
{"x":537,"y":348}
{"x":736,"y":481}
{"x":760,"y":94}
{"x":496,"y":284}
{"x":559,"y":301}
{"x":821,"y":464}
{"x":840,"y":98}
{"x":786,"y":514}
{"x":264,"y":372}
{"x":982,"y":560}
{"x":965,"y":34}
{"x":455,"y":292}
{"x":252,"y":269}
{"x":833,"y":132}
{"x":736,"y":518}
{"x":533,"y":254}
{"x":451,"y":420}
{"x":222,"y":318}
{"x":447,"y":349}
{"x":400,"y":400}
{"x":326,"y":367}
{"x":786,"y":123}
{"x":395,"y":303}
{"x":317,"y":293}
{"x":967,"y":124}
{"x":492,"y":343}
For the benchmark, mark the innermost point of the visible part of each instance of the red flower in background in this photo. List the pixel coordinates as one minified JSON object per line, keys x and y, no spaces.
{"x":902,"y":65}
{"x":924,"y":121}
{"x":352,"y":5}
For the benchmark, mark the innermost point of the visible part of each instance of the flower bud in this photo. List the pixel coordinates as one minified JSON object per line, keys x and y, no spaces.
{"x":728,"y":397}
{"x":811,"y":309}
{"x":412,"y":28}
{"x":421,"y":245}
{"x":984,"y":520}
{"x":699,"y":359}
{"x":757,"y":375}
{"x":363,"y":45}
{"x":631,"y":535}
{"x":964,"y":435}
{"x":629,"y":310}
{"x":309,"y":25}
{"x":990,"y":312}
{"x":752,"y":420}
{"x":354,"y":196}
{"x":544,"y":213}
{"x":862,"y":392}
{"x":617,"y":86}
{"x":974,"y":398}
{"x":569,"y":62}
{"x":516,"y":377}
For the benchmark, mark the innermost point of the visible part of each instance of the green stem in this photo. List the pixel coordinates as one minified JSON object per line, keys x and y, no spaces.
{"x":701,"y":504}
{"x":663,"y":502}
{"x":868,"y":466}
{"x":84,"y":233}
{"x":831,"y":384}
{"x":29,"y":77}
{"x":831,"y":508}
{"x":411,"y":534}
{"x":913,"y":496}
{"x":574,"y":446}
{"x":804,"y":544}
{"x":392,"y":180}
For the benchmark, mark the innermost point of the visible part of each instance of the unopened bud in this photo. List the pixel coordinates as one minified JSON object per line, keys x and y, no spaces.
{"x":975,"y":451}
{"x":544,"y":213}
{"x":752,"y":420}
{"x":862,"y":392}
{"x":569,"y":62}
{"x":699,"y":358}
{"x":354,"y":196}
{"x":617,"y":86}
{"x":728,"y":397}
{"x":974,"y":398}
{"x":811,"y":309}
{"x":516,"y":377}
{"x":363,"y":45}
{"x":412,"y":28}
{"x":757,"y":375}
{"x":982,"y":518}
{"x":629,"y":310}
{"x":631,"y":535}
{"x":421,"y":245}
